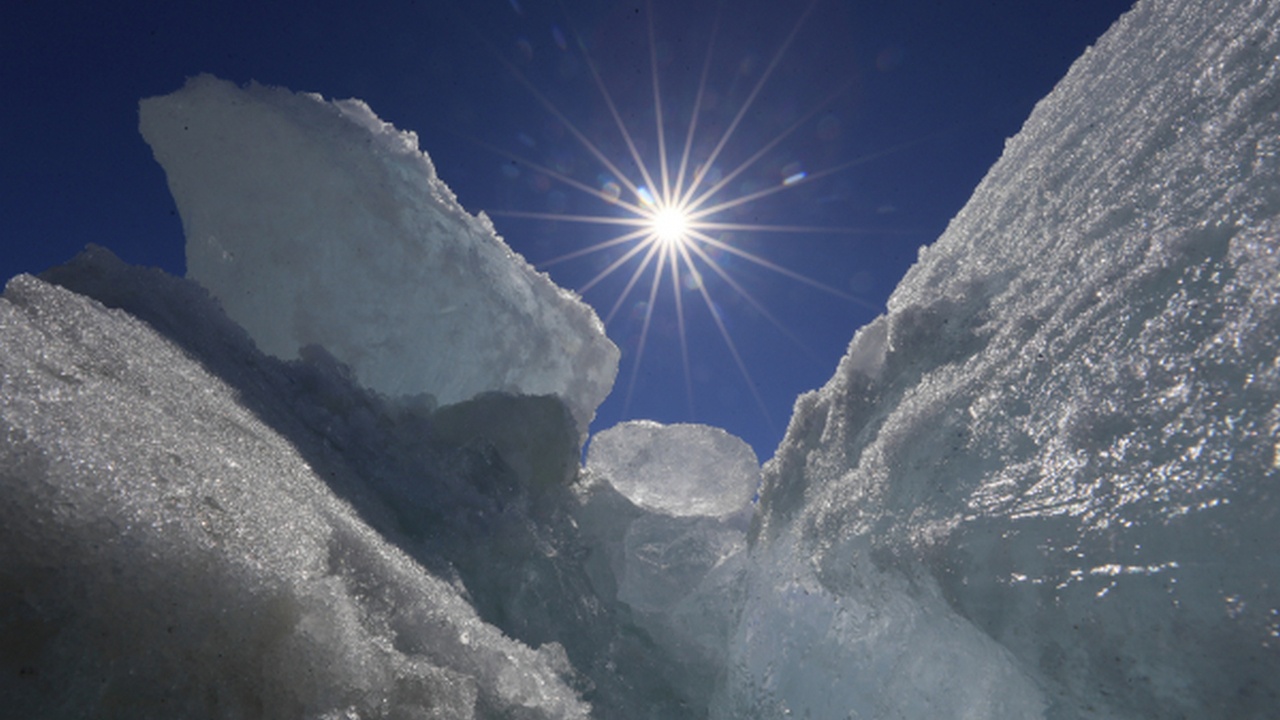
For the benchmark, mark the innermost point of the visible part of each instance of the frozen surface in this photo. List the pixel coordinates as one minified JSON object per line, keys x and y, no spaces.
{"x":677,"y":470}
{"x":316,"y":222}
{"x":170,"y":553}
{"x":154,"y":458}
{"x":1047,"y":481}
{"x":665,"y":509}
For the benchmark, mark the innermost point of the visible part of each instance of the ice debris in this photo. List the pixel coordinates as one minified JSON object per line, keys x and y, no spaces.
{"x":679,"y":470}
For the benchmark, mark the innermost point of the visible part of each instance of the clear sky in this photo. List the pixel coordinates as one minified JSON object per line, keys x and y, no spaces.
{"x":872,"y":121}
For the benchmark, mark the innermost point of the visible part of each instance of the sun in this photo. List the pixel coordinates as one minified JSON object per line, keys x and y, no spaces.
{"x":670,"y":224}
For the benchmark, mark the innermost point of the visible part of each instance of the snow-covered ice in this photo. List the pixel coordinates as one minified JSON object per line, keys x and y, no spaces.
{"x":169,"y":552}
{"x":1045,"y":483}
{"x":1051,"y":469}
{"x":316,"y":223}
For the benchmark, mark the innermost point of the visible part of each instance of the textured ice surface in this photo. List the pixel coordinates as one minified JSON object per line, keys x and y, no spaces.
{"x":680,"y":469}
{"x":1045,"y":484}
{"x":1047,"y":481}
{"x":446,"y":540}
{"x":316,"y":222}
{"x":665,"y":509}
{"x":169,"y":552}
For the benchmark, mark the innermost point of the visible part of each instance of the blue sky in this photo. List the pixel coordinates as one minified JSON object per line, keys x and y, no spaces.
{"x":894,"y":110}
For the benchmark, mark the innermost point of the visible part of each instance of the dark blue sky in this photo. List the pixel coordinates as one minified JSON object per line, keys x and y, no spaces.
{"x":927,"y":93}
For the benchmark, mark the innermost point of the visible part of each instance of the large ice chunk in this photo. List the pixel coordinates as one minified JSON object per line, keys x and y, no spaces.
{"x":316,"y":222}
{"x":682,"y":469}
{"x":667,"y":508}
{"x":1049,"y":479}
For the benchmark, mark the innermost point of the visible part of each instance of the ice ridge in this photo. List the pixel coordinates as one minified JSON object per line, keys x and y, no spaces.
{"x":317,"y":223}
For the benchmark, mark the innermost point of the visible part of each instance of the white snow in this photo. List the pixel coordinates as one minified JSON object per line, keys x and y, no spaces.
{"x":316,"y":222}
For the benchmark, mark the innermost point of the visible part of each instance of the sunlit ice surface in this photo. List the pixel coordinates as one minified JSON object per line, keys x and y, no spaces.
{"x":694,"y":173}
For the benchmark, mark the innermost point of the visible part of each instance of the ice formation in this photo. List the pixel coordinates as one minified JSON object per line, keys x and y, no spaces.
{"x":316,"y":223}
{"x":666,"y":509}
{"x":1046,"y":483}
{"x":169,"y":552}
{"x":193,"y":528}
{"x":677,"y":469}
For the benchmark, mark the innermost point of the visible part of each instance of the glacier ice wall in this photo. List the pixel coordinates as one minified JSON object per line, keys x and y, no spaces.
{"x":316,"y":222}
{"x":1047,"y":481}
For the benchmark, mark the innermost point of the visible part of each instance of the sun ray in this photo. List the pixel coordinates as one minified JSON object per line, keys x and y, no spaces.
{"x":657,"y":108}
{"x":727,"y":247}
{"x":644,"y":331}
{"x":798,"y":229}
{"x":742,"y":292}
{"x":684,"y":341}
{"x":697,"y":100}
{"x":635,"y":277}
{"x":570,"y":217}
{"x":555,"y":112}
{"x":594,"y":248}
{"x":764,"y":149}
{"x":571,"y":182}
{"x":617,"y":118}
{"x":811,"y":177}
{"x":746,"y":105}
{"x":608,"y":270}
{"x":733,"y":348}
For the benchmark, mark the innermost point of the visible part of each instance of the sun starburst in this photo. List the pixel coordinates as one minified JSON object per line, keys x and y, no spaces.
{"x":669,"y":224}
{"x":677,"y":219}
